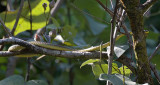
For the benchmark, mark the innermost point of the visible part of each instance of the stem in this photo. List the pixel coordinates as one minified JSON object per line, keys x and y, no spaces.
{"x":17,"y":18}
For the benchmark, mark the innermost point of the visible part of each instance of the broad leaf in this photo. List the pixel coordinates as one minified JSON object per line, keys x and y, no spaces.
{"x":68,"y":33}
{"x":126,"y":70}
{"x":55,"y":22}
{"x":90,"y":61}
{"x":95,"y":26}
{"x":38,"y":16}
{"x":117,"y":79}
{"x":36,"y":82}
{"x":99,"y":69}
{"x":13,"y":80}
{"x":118,"y":50}
{"x":19,"y":80}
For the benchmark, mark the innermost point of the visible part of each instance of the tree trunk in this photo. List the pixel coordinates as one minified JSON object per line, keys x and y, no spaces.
{"x":135,"y":15}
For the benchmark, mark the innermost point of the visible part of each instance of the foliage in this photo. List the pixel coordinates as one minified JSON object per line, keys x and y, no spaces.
{"x":118,"y":79}
{"x":88,"y":25}
{"x":18,"y":80}
{"x":39,"y":18}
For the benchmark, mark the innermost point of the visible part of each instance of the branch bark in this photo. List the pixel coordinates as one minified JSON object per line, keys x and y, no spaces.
{"x":32,"y":49}
{"x":147,"y":5}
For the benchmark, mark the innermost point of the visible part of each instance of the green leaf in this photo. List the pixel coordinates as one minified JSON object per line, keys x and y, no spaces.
{"x":3,"y":60}
{"x":91,"y":6}
{"x":115,"y":68}
{"x":55,"y":22}
{"x":68,"y":33}
{"x":126,"y":70}
{"x":117,"y":79}
{"x":38,"y":17}
{"x":90,"y":61}
{"x":95,"y":26}
{"x":153,"y":35}
{"x":118,"y":50}
{"x":99,"y":69}
{"x":13,"y":80}
{"x":36,"y":82}
{"x":155,"y":60}
{"x":51,"y":26}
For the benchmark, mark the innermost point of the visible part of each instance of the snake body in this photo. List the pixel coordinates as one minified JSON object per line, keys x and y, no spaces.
{"x":55,"y":47}
{"x":58,"y":47}
{"x":64,"y":48}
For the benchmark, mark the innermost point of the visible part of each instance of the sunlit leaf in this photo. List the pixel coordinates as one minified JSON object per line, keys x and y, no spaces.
{"x":38,"y":17}
{"x":90,"y":61}
{"x":126,"y":70}
{"x":99,"y":69}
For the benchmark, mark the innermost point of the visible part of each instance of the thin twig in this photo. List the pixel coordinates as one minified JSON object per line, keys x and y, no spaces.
{"x":71,"y":76}
{"x":55,"y":8}
{"x":112,"y":38}
{"x":123,"y":75}
{"x":30,"y":10}
{"x":147,"y":5}
{"x":111,"y":4}
{"x":28,"y":59}
{"x":106,"y":9}
{"x":17,"y":18}
{"x":9,"y":5}
{"x":112,"y":41}
{"x":5,"y":16}
{"x":28,"y":69}
{"x":155,"y":72}
{"x":154,"y":52}
{"x":5,"y":28}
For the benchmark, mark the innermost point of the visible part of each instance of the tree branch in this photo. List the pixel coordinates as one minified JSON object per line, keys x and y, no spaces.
{"x":154,"y":52}
{"x":41,"y":50}
{"x":147,"y":5}
{"x":56,"y":6}
{"x":33,"y":49}
{"x":105,"y":8}
{"x":155,"y":72}
{"x":112,"y":38}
